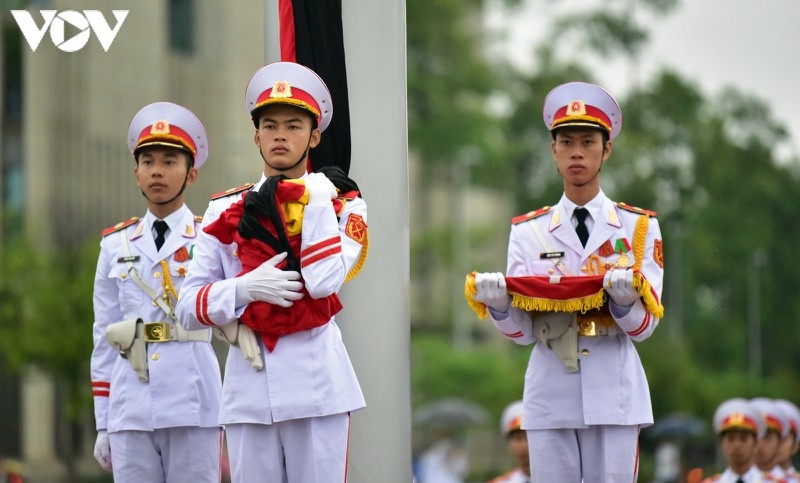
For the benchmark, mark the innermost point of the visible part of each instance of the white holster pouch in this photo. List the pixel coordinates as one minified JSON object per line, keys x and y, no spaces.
{"x":243,"y":337}
{"x":558,"y":331}
{"x":127,"y":337}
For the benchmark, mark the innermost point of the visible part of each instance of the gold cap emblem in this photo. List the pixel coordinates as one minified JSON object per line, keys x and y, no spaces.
{"x":281,"y":89}
{"x":736,"y":419}
{"x":576,"y":108}
{"x":159,"y":127}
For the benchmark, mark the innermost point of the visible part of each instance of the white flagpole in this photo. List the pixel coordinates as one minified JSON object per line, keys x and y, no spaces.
{"x":376,"y":320}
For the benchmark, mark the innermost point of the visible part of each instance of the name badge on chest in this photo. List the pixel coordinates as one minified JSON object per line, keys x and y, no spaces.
{"x":549,"y":255}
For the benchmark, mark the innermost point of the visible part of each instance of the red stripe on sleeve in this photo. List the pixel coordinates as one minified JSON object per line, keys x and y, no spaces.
{"x":641,"y":328}
{"x":201,"y":305}
{"x":318,"y":246}
{"x":319,"y":256}
{"x":101,"y":388}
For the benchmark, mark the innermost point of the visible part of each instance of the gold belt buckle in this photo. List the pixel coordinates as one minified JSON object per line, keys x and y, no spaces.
{"x":156,"y":332}
{"x":587,"y":327}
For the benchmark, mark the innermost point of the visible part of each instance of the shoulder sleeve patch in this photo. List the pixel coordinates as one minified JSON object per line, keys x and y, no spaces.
{"x":636,"y":209}
{"x":232,"y":191}
{"x":119,"y":226}
{"x":530,"y":215}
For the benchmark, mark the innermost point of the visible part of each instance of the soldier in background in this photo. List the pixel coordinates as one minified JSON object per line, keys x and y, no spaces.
{"x":790,"y":445}
{"x":511,"y":429}
{"x":767,"y":452}
{"x":740,"y":427}
{"x":156,"y":386}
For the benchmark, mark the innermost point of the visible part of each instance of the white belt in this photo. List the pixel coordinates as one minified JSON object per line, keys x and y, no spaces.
{"x":166,"y":332}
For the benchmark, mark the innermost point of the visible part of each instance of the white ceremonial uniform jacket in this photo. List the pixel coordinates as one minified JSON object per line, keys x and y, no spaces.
{"x":184,"y":377}
{"x":514,"y":476}
{"x":611,"y":387}
{"x":309,"y":372}
{"x":753,"y":475}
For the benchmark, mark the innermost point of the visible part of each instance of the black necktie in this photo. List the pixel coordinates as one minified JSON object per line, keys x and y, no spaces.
{"x":739,"y":480}
{"x":161,"y":228}
{"x":583,"y":232}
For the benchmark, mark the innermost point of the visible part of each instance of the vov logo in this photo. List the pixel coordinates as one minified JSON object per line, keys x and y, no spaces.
{"x":56,"y":22}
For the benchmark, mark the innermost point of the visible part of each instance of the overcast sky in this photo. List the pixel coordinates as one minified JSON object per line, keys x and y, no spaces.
{"x":750,"y":44}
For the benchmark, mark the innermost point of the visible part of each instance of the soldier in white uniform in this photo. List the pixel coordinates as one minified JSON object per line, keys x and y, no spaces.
{"x":156,"y":386}
{"x":586,"y":395}
{"x":790,"y":444}
{"x":740,"y":427}
{"x":517,"y":439}
{"x":768,"y":449}
{"x":289,"y":386}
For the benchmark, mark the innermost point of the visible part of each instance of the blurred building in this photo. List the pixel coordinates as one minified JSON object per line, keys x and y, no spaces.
{"x":66,"y":169}
{"x":78,"y":173}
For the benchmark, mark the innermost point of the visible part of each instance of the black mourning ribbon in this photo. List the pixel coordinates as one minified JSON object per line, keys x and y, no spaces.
{"x":264,"y":203}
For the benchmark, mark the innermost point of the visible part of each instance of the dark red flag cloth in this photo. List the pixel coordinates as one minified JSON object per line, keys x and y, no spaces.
{"x":311,"y":34}
{"x":541,"y":293}
{"x":268,"y":320}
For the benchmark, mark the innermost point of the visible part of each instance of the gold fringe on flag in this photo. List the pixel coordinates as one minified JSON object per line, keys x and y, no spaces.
{"x":469,"y":292}
{"x":539,"y":304}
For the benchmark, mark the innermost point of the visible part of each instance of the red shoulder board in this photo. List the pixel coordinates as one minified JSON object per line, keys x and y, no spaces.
{"x":119,"y":226}
{"x":530,"y":215}
{"x":232,"y":191}
{"x":636,"y":209}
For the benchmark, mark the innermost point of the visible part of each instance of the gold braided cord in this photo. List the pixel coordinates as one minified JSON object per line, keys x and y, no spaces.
{"x":652,"y":304}
{"x":168,"y":137}
{"x":288,"y":100}
{"x":639,"y":281}
{"x":573,"y":118}
{"x":166,"y":282}
{"x":362,"y":257}
{"x":639,"y":240}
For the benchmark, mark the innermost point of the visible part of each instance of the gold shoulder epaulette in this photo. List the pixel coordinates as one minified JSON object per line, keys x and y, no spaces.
{"x":530,"y":215}
{"x":636,"y":209}
{"x":232,"y":191}
{"x":119,"y":226}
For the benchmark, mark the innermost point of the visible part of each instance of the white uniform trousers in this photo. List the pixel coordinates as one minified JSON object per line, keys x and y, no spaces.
{"x":184,"y":454}
{"x":306,"y":450}
{"x":597,"y":454}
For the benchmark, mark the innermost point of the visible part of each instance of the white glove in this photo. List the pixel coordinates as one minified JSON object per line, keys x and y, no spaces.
{"x":248,"y":344}
{"x":102,"y":450}
{"x":491,"y":291}
{"x":320,"y":190}
{"x":269,"y":284}
{"x":243,"y":337}
{"x":619,"y":286}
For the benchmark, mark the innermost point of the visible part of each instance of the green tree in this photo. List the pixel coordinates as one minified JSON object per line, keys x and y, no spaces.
{"x":45,"y":322}
{"x":706,"y":164}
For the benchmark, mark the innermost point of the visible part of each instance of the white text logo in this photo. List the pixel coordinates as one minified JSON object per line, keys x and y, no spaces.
{"x":85,"y":23}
